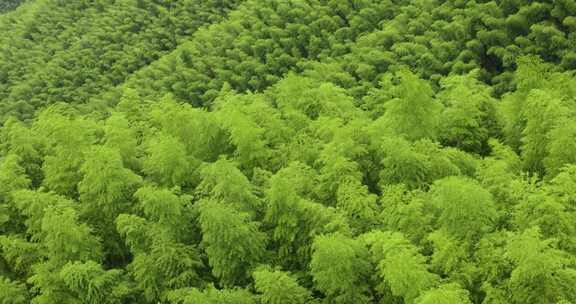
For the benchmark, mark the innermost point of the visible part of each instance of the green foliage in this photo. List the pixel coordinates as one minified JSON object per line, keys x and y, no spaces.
{"x":107,"y":185}
{"x":318,"y":151}
{"x":9,"y":5}
{"x":286,"y":213}
{"x":403,"y":165}
{"x":466,"y":209}
{"x":537,"y":115}
{"x":560,"y":147}
{"x":445,"y":294}
{"x":67,"y":240}
{"x":90,"y":282}
{"x":232,"y":242}
{"x":163,"y":257}
{"x":413,"y":113}
{"x":415,"y":165}
{"x":359,"y":205}
{"x":167,"y":162}
{"x":406,"y":274}
{"x":17,"y":139}
{"x":244,"y":132}
{"x":278,"y":287}
{"x":469,"y":116}
{"x":340,"y":268}
{"x":253,"y":48}
{"x":12,"y":292}
{"x":135,"y":231}
{"x":168,"y":265}
{"x":119,"y":135}
{"x":12,"y":177}
{"x":452,"y":258}
{"x":20,"y":254}
{"x":196,"y":129}
{"x":562,"y":186}
{"x":212,"y":296}
{"x":223,"y":181}
{"x":163,"y":206}
{"x":106,"y":191}
{"x":72,"y":52}
{"x":542,"y":272}
{"x":32,"y":206}
{"x":66,"y":138}
{"x":541,"y":112}
{"x":404,"y":211}
{"x":402,"y":270}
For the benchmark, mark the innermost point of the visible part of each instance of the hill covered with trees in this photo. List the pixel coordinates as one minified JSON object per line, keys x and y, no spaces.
{"x":288,"y":152}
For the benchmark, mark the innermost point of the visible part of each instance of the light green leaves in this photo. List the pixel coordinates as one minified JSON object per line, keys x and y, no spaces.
{"x":465,"y":208}
{"x":469,"y":117}
{"x":401,"y":268}
{"x":542,"y":273}
{"x":223,"y":181}
{"x":358,"y":203}
{"x":340,"y":268}
{"x":445,"y":294}
{"x":406,"y":273}
{"x":66,"y":239}
{"x":413,"y":113}
{"x":90,"y":282}
{"x":12,"y":176}
{"x":12,"y":292}
{"x":168,"y":163}
{"x":231,"y":240}
{"x":107,"y":185}
{"x":211,"y":295}
{"x":561,"y":147}
{"x":163,"y":206}
{"x":278,"y":287}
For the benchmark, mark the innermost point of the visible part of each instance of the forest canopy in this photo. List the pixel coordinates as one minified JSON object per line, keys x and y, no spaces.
{"x":299,"y":152}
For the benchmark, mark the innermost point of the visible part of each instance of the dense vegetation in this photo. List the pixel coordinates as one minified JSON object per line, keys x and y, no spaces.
{"x":295,"y":151}
{"x":7,"y":5}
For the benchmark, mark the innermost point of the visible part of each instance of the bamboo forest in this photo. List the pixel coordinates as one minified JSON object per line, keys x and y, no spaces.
{"x":287,"y":152}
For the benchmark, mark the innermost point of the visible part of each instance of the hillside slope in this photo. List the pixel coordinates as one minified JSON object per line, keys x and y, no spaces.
{"x":288,"y":152}
{"x":68,"y":51}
